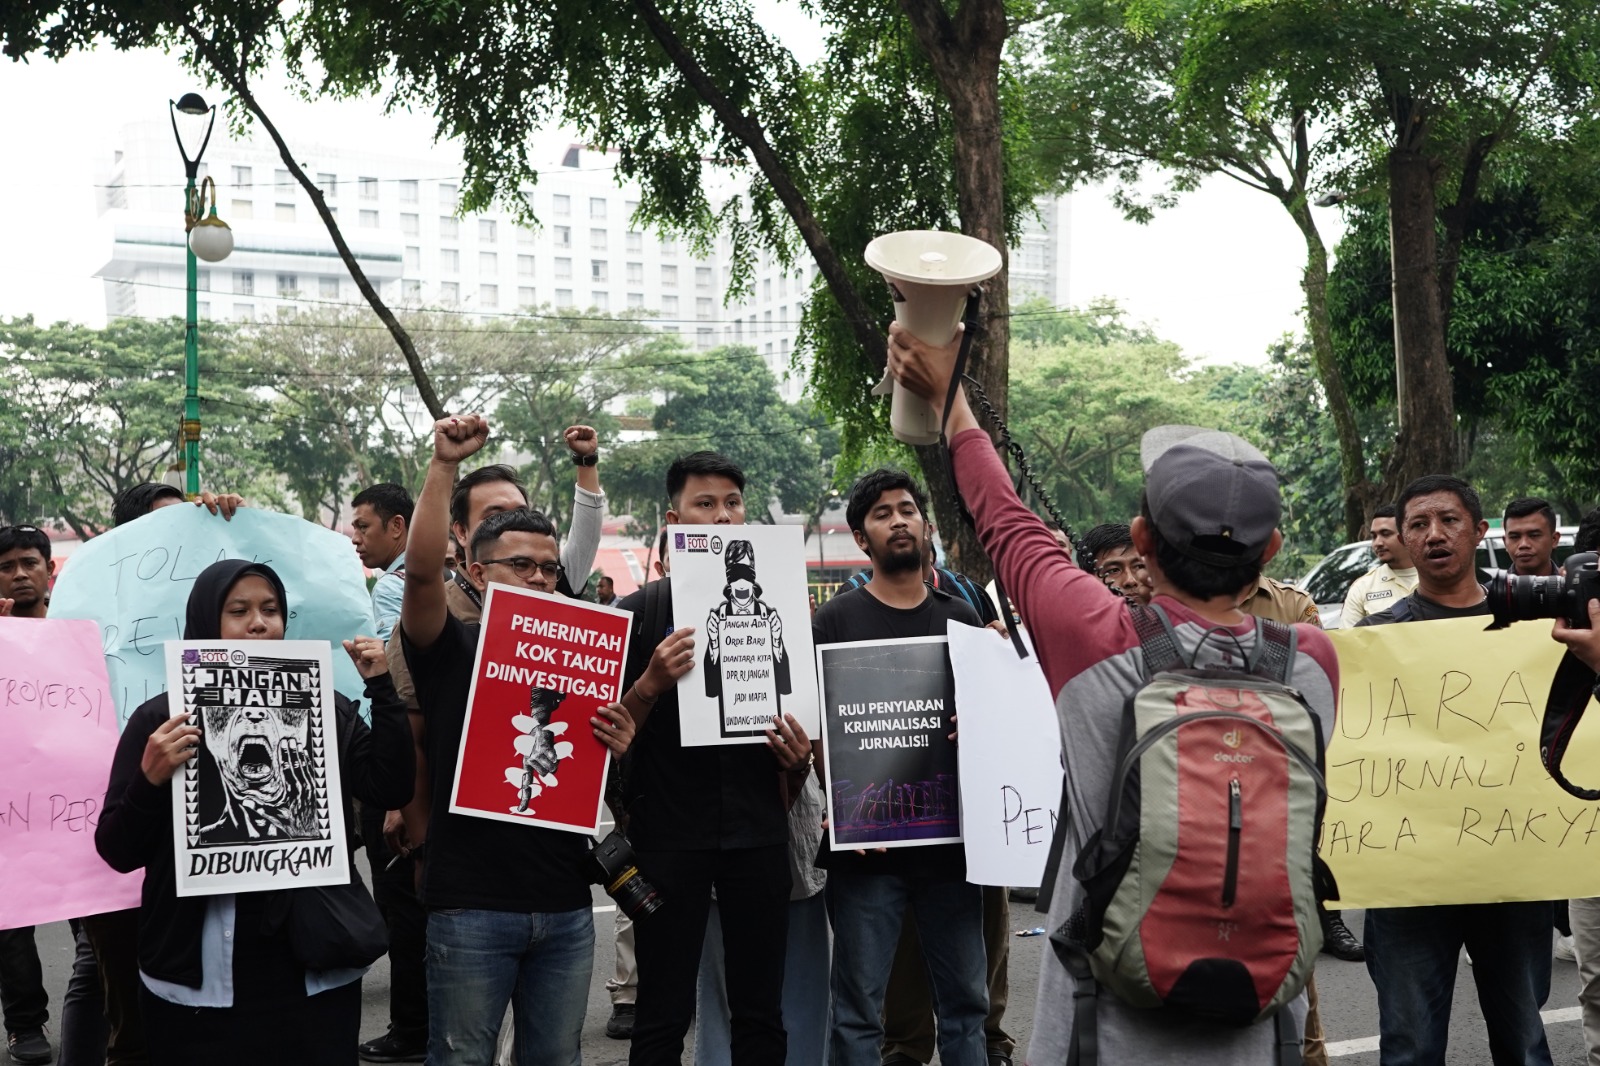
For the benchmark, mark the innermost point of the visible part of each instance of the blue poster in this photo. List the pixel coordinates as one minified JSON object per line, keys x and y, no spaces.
{"x":134,"y":582}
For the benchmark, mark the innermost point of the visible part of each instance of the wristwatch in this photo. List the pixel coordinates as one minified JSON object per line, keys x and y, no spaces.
{"x":592,"y":459}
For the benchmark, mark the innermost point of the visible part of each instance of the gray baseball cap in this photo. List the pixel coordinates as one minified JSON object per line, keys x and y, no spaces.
{"x":1212,"y":496}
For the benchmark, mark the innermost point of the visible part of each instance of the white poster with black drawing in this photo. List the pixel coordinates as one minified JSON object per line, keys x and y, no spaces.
{"x":259,"y":806}
{"x":743,"y":589}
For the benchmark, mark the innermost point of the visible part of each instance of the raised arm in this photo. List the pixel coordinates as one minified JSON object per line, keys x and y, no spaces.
{"x":582,"y":542}
{"x":423,"y":612}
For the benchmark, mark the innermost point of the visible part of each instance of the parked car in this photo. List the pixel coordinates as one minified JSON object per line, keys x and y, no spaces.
{"x":1331,"y":578}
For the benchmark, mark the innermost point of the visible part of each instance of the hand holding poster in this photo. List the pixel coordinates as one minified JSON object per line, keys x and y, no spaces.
{"x":754,"y":628}
{"x":545,"y":665}
{"x":1435,"y":789}
{"x":58,"y":731}
{"x":135,"y":580}
{"x":1010,"y":757}
{"x":892,"y":779}
{"x":261,"y":803}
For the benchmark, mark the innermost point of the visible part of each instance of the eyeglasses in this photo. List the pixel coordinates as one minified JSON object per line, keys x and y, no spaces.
{"x":523,"y":566}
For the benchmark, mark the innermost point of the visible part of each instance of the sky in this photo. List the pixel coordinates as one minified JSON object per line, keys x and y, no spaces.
{"x":1218,"y":274}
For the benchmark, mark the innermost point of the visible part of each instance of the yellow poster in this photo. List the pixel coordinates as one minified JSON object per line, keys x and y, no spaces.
{"x":1435,"y":789}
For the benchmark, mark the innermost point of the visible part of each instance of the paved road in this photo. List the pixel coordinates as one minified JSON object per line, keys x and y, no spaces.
{"x":1349,"y":1008}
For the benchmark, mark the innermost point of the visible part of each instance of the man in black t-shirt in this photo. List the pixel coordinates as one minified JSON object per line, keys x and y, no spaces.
{"x":869,"y":894}
{"x":1412,"y":951}
{"x":509,"y":905}
{"x":704,"y":818}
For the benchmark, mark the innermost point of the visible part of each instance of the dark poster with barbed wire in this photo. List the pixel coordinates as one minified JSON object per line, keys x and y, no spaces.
{"x":890,"y":765}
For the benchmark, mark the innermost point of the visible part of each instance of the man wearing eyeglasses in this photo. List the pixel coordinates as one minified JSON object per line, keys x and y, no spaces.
{"x":509,"y":912}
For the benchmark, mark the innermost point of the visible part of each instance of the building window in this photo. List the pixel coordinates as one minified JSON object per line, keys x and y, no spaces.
{"x":597,"y":207}
{"x":600,"y":301}
{"x":669,"y":306}
{"x":488,"y":231}
{"x":288,"y":284}
{"x":635,"y":300}
{"x":241,"y":178}
{"x":597,"y":240}
{"x":281,"y":180}
{"x":369,"y":219}
{"x":449,"y":292}
{"x":783,"y":284}
{"x":369,"y":188}
{"x":447,"y":196}
{"x":766,"y":291}
{"x":488,"y":296}
{"x":635,"y":273}
{"x":563,"y":236}
{"x":669,"y":275}
{"x":449,"y":228}
{"x":244,"y":312}
{"x":702,"y":277}
{"x":702,"y":308}
{"x":526,"y":296}
{"x":411,"y":225}
{"x":633,"y":241}
{"x":783,"y":314}
{"x":524,"y":235}
{"x":329,"y":184}
{"x":413,"y":291}
{"x":598,"y":270}
{"x":563,"y":269}
{"x":244,"y":282}
{"x":563,"y":297}
{"x":240,"y":209}
{"x":413,"y":257}
{"x":450,"y":260}
{"x":409,"y":192}
{"x":488,"y":263}
{"x":203,"y":308}
{"x":328,"y":287}
{"x":283,"y":212}
{"x":669,"y":246}
{"x":631,"y":207}
{"x":202,"y":281}
{"x":561,"y":205}
{"x":524,"y":266}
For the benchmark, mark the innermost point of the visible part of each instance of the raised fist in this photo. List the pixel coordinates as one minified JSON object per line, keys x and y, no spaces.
{"x":582,"y":440}
{"x":459,"y":436}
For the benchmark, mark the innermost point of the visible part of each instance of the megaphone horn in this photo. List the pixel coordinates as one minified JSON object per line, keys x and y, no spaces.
{"x":930,"y":274}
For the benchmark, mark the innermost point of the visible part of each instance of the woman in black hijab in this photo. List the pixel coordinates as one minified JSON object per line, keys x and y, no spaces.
{"x":220,"y":982}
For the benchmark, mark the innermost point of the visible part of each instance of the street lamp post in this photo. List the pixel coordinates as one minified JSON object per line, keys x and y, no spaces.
{"x":208,"y":237}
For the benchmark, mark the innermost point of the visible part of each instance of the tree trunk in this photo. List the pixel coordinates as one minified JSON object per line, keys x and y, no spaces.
{"x":1426,"y":442}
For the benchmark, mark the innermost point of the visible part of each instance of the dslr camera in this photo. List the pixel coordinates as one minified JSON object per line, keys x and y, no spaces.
{"x":614,"y":867}
{"x":1516,"y":599}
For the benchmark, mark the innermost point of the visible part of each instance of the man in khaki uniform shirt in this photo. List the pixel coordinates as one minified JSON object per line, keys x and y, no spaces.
{"x":1392,"y":581}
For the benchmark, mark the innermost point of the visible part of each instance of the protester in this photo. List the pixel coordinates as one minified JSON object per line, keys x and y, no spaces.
{"x":869,"y":895}
{"x":1394,"y":576}
{"x":140,"y":500}
{"x":704,"y":819}
{"x":1529,"y":528}
{"x":210,"y":967}
{"x":382,"y":517}
{"x":509,"y":912}
{"x":1271,"y":598}
{"x":605,"y":593}
{"x":1412,"y":952}
{"x":1206,"y":528}
{"x":1107,"y":552}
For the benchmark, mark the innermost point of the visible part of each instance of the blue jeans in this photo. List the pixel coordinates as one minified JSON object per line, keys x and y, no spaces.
{"x":1412,"y":954}
{"x":805,"y":990}
{"x":479,"y":961}
{"x":867,"y":911}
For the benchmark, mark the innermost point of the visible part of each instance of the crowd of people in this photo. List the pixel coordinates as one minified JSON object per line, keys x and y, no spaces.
{"x":773,"y":947}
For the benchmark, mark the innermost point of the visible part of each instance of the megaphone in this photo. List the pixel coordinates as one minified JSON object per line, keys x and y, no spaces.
{"x":930,"y":274}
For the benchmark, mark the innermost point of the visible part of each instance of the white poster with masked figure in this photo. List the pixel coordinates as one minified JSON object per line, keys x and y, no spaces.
{"x":259,"y":806}
{"x":743,"y":588}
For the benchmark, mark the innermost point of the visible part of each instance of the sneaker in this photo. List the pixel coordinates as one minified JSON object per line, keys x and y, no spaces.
{"x":1565,"y":949}
{"x":620,"y":1025}
{"x":29,"y":1047}
{"x":1339,"y":941}
{"x":998,"y":1057}
{"x":391,"y":1048}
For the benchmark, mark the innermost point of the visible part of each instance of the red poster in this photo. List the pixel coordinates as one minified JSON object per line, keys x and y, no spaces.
{"x":528,"y":754}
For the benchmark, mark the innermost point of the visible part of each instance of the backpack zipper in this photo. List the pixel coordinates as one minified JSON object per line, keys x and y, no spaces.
{"x":1230,"y":875}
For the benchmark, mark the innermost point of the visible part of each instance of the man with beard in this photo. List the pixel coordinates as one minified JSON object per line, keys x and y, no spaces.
{"x":869,"y":894}
{"x":1412,"y":952}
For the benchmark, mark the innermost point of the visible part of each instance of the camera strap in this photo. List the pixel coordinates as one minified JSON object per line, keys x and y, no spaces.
{"x":1570,"y":691}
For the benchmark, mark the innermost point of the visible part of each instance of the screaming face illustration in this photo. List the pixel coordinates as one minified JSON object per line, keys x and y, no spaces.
{"x":538,"y":746}
{"x":263,"y":762}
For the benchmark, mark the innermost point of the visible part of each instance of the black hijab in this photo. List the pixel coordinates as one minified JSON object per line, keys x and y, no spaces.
{"x":203,"y":620}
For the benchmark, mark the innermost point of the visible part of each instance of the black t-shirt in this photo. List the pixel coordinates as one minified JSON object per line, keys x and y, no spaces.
{"x":859,"y":615}
{"x":476,"y":862}
{"x":696,"y":798}
{"x":1418,"y":608}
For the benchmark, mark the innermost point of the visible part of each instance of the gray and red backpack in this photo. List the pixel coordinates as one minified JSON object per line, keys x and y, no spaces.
{"x":1201,"y":887}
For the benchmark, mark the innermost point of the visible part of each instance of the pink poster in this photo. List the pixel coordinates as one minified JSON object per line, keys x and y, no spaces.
{"x":58,"y":729}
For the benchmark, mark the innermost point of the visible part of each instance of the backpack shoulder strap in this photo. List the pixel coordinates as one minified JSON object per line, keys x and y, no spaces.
{"x":1157,"y":638}
{"x":1273,"y":655}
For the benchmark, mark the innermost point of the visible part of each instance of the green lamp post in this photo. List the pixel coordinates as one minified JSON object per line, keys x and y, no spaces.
{"x":208,"y":238}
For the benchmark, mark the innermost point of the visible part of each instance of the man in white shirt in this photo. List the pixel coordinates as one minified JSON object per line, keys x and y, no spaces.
{"x":1392,"y":580}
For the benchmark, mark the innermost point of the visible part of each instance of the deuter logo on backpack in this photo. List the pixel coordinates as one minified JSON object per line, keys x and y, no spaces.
{"x":1200,"y":888}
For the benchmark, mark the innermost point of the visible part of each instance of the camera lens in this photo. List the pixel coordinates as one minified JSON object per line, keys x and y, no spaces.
{"x":635,"y":896}
{"x":1513,"y":598}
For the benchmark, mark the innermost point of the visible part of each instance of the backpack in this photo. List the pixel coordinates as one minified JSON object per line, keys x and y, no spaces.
{"x":1201,"y":888}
